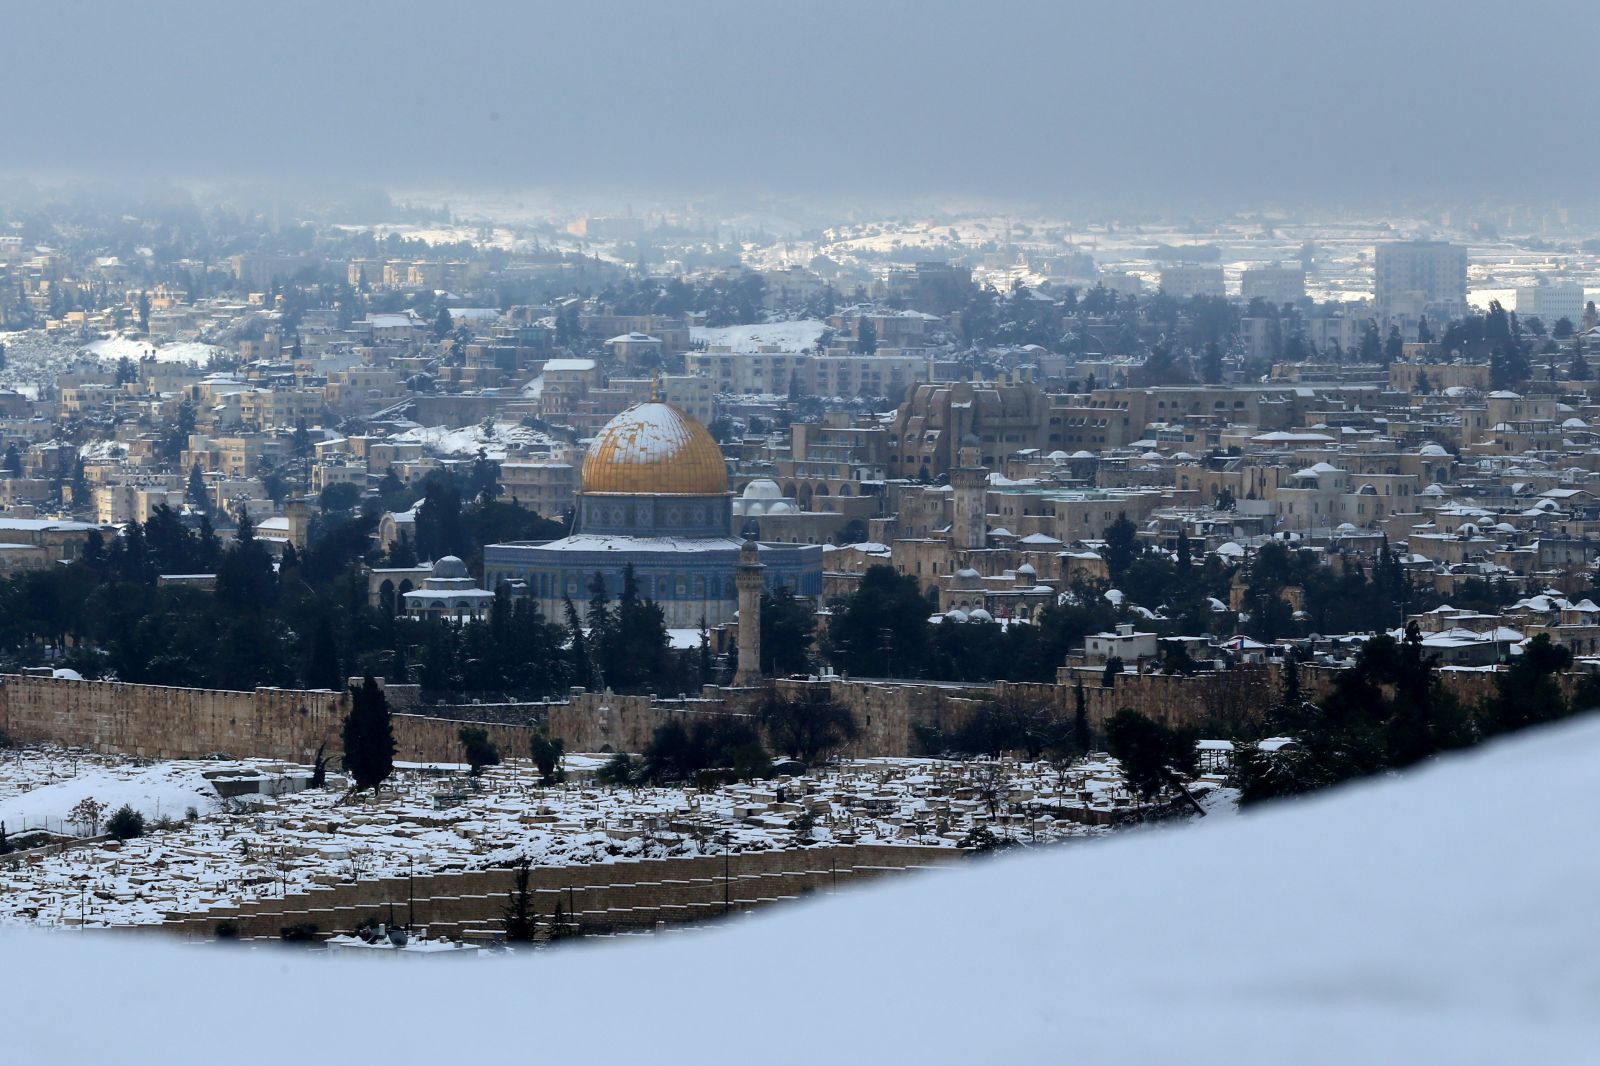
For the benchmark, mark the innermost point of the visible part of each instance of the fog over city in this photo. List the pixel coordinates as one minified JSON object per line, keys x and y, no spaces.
{"x":1169,"y":105}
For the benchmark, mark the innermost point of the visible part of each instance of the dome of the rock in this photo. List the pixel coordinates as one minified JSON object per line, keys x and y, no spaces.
{"x":654,"y":448}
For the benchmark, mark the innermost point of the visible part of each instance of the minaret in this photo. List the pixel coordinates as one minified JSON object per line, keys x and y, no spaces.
{"x":969,"y":527}
{"x":298,"y":511}
{"x":750,"y":581}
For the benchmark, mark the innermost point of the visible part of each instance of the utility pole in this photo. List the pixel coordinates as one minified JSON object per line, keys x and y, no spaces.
{"x":727,"y":890}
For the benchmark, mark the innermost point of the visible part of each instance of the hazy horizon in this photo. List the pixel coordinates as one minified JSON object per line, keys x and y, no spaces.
{"x":1179,"y":106}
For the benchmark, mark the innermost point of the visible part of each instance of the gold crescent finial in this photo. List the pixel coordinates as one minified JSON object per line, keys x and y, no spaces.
{"x":655,"y":386}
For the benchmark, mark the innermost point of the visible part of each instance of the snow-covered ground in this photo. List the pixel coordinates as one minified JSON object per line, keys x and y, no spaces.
{"x":111,"y":349}
{"x":38,"y":789}
{"x":496,"y":442}
{"x":785,"y":336}
{"x":237,"y":850}
{"x":1424,"y":919}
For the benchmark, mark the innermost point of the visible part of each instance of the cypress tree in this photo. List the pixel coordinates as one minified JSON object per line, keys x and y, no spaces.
{"x":1081,"y":738}
{"x":521,"y":920}
{"x":196,"y":494}
{"x":322,"y":662}
{"x":578,"y":648}
{"x":368,"y":736}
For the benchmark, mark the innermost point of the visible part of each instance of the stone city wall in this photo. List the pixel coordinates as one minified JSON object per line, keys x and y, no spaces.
{"x":605,"y":721}
{"x":160,"y":722}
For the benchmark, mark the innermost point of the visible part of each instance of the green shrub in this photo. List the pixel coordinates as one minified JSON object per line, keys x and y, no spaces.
{"x":125,"y":823}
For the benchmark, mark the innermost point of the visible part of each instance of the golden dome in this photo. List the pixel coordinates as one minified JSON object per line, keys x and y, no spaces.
{"x":655,"y":448}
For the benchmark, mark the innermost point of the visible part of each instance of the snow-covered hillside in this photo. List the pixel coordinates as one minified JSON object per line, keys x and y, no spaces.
{"x":111,"y":349}
{"x":1445,"y":917}
{"x":467,"y":440}
{"x":785,"y":336}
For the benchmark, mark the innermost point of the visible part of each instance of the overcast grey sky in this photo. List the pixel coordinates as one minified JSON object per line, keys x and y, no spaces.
{"x":1233,"y":102}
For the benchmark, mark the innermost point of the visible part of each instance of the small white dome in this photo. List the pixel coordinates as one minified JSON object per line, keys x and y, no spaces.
{"x":762,"y":488}
{"x":450,"y":567}
{"x":956,"y":614}
{"x":981,"y":615}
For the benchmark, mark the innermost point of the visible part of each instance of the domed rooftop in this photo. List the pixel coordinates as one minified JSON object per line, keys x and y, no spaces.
{"x":450,"y":567}
{"x":654,"y":448}
{"x":762,"y":488}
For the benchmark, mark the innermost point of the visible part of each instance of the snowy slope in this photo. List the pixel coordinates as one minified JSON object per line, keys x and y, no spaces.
{"x":114,"y":348}
{"x":166,"y":789}
{"x":784,"y":336}
{"x":1446,"y":917}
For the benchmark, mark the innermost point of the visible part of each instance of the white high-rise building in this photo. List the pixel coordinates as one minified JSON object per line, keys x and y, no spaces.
{"x":1551,"y":301}
{"x":1184,"y":280}
{"x":1420,"y":277}
{"x":1276,"y":284}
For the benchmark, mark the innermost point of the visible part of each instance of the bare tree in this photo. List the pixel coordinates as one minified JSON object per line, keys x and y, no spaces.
{"x":86,"y":814}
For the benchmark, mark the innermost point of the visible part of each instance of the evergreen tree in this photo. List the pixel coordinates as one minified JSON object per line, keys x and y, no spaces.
{"x":196,"y":493}
{"x":547,"y":752}
{"x":1424,"y":386}
{"x":13,"y":461}
{"x":208,"y":549}
{"x":1424,"y":334}
{"x":400,"y":665}
{"x":581,"y":662}
{"x":368,"y":736}
{"x":705,"y":652}
{"x":1527,"y":692}
{"x":245,"y":578}
{"x":300,"y":441}
{"x":322,"y":661}
{"x":443,"y":324}
{"x":883,"y":628}
{"x":788,"y":625}
{"x":866,"y":337}
{"x":1185,"y":561}
{"x":1371,"y":350}
{"x":1393,"y":346}
{"x":439,"y":526}
{"x":1579,"y":371}
{"x":522,"y":923}
{"x":1122,"y":547}
{"x":481,"y":752}
{"x":1081,"y":737}
{"x":125,"y":823}
{"x":401,"y":552}
{"x":1211,"y":364}
{"x":1152,"y":756}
